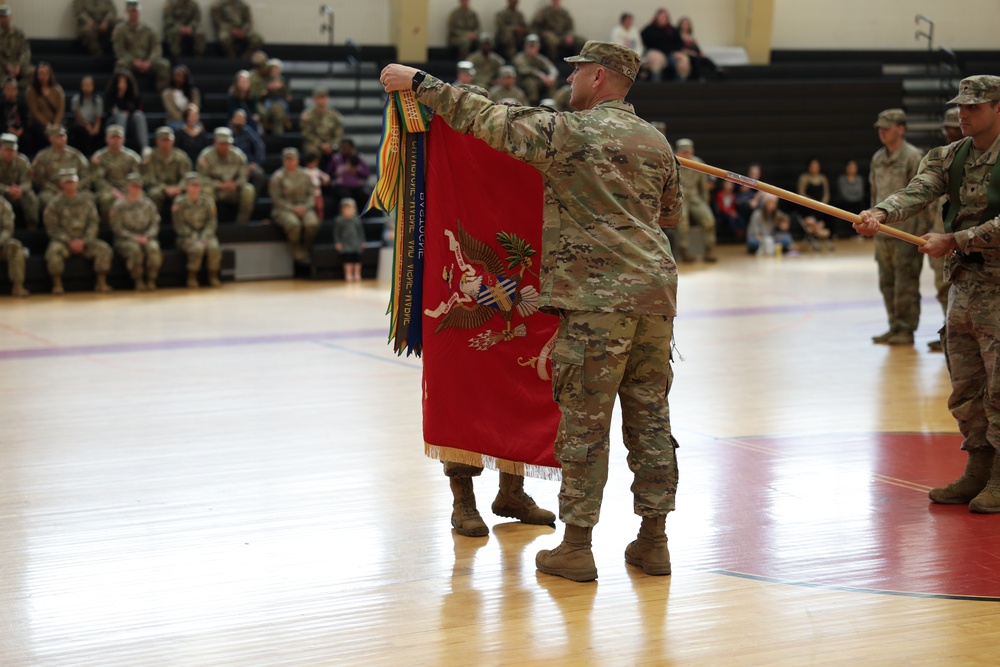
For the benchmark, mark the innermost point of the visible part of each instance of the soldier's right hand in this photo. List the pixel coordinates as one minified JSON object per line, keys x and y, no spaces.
{"x":870,"y":222}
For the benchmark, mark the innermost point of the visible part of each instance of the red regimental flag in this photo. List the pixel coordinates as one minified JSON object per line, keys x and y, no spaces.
{"x":487,"y":378}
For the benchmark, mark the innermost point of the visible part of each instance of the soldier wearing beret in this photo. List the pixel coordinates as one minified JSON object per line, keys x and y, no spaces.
{"x":195,"y":220}
{"x":967,"y":173}
{"x":135,"y":223}
{"x":110,"y":166}
{"x":11,"y":250}
{"x":224,"y":169}
{"x":610,"y":183}
{"x":50,"y":161}
{"x":138,"y":48}
{"x":71,"y":221}
{"x":15,"y":181}
{"x":164,"y":170}
{"x":294,"y":207}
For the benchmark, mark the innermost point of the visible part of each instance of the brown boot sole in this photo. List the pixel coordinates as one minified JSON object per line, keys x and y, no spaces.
{"x":478,"y":531}
{"x":652,"y":569}
{"x":549,"y":519}
{"x":579,"y":574}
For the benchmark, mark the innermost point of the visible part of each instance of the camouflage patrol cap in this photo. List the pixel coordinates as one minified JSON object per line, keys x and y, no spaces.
{"x":548,"y":103}
{"x":54,"y":130}
{"x":321,"y":92}
{"x":135,"y":178}
{"x":684,"y":143}
{"x":66,"y":175}
{"x":8,"y":140}
{"x":4,"y":10}
{"x":466,"y":66}
{"x":610,"y":55}
{"x":115,"y":131}
{"x":890,"y":118}
{"x":223,"y":135}
{"x":192,"y":177}
{"x":950,"y":118}
{"x":164,"y":132}
{"x":275,"y":62}
{"x":132,"y":4}
{"x":532,"y":39}
{"x":258,"y":58}
{"x":506,"y":70}
{"x":288,"y":152}
{"x":978,"y":89}
{"x":485,"y":37}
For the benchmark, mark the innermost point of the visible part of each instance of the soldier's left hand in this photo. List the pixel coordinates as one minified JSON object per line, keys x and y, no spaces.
{"x":397,"y":77}
{"x":938,"y":245}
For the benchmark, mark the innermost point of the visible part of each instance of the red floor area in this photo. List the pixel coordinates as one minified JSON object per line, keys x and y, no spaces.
{"x":845,"y":510}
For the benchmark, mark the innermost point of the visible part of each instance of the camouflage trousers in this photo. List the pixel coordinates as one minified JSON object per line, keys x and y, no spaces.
{"x":596,"y":357}
{"x":228,"y":43}
{"x":141,"y":259}
{"x":534,"y":88}
{"x":91,"y":39}
{"x":699,"y":213}
{"x":175,"y":41}
{"x":160,"y":198}
{"x":27,"y":208}
{"x":899,"y":267}
{"x":553,"y":44}
{"x":243,"y":196}
{"x":96,"y":250}
{"x":12,"y":252}
{"x":273,"y":114}
{"x":941,"y":284}
{"x":210,"y":252}
{"x":105,"y":200}
{"x":158,"y":72}
{"x":300,"y":231}
{"x":508,"y":43}
{"x":972,"y":352}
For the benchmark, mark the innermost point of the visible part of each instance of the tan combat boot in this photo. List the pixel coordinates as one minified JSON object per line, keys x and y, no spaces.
{"x":684,"y":255}
{"x":192,"y":280}
{"x":102,"y":286}
{"x":140,"y":282}
{"x":57,"y":286}
{"x":988,"y":500}
{"x":883,"y":339}
{"x":901,"y":338}
{"x":513,"y":502}
{"x":19,"y":289}
{"x":972,"y":481}
{"x":151,"y":277}
{"x":465,"y":517}
{"x":709,"y":255}
{"x":572,"y":559}
{"x":649,"y":550}
{"x":213,"y":280}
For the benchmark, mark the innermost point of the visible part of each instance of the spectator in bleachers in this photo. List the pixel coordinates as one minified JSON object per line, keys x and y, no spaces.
{"x":349,"y":173}
{"x":320,"y":180}
{"x":224,"y":169}
{"x":191,"y":138}
{"x":349,"y":239}
{"x":11,"y":250}
{"x":179,"y":94}
{"x":13,"y":111}
{"x":702,"y":67}
{"x":486,"y":62}
{"x":124,"y":104}
{"x":195,"y":220}
{"x":627,"y":34}
{"x":138,"y":48}
{"x":695,"y":209}
{"x":233,"y":23}
{"x":849,"y":194}
{"x":555,"y":27}
{"x":664,"y":56}
{"x":813,"y":184}
{"x":135,"y":223}
{"x":463,"y":29}
{"x":182,"y":28}
{"x":240,"y":96}
{"x":46,"y":105}
{"x":15,"y":182}
{"x":747,"y":198}
{"x":322,"y":127}
{"x":507,"y":89}
{"x":50,"y":161}
{"x":725,"y":209}
{"x":15,"y":52}
{"x":465,"y":72}
{"x":294,"y":204}
{"x":512,"y":28}
{"x":536,"y":75}
{"x":247,"y":140}
{"x":273,"y":99}
{"x":110,"y":168}
{"x":87,"y":107}
{"x":768,"y":227}
{"x":95,"y":23}
{"x":71,"y":222}
{"x":164,"y":169}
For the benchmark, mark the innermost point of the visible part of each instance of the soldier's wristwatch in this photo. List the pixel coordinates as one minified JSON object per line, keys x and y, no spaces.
{"x":418,"y":79}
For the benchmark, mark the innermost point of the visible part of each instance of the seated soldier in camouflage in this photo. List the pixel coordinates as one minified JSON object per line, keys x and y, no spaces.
{"x":555,"y":26}
{"x":15,"y":181}
{"x":486,"y":62}
{"x":164,"y":170}
{"x":136,"y":226}
{"x":182,"y":27}
{"x":294,"y":208}
{"x":273,"y":99}
{"x":52,"y":160}
{"x":507,"y":89}
{"x":234,"y":27}
{"x":71,"y":221}
{"x":95,"y":22}
{"x":224,"y":169}
{"x":11,"y":250}
{"x":536,"y":74}
{"x":195,"y":221}
{"x":110,"y":166}
{"x":15,"y":52}
{"x":138,"y":49}
{"x":322,"y":127}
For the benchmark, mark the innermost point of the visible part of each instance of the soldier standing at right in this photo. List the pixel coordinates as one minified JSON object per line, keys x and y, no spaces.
{"x":512,"y":28}
{"x":697,"y":193}
{"x":463,"y":29}
{"x":233,"y":23}
{"x":899,"y":263}
{"x":322,"y":127}
{"x":224,"y":168}
{"x":71,"y":221}
{"x":164,"y":170}
{"x":182,"y":27}
{"x":195,"y":221}
{"x":11,"y":250}
{"x":136,"y":225}
{"x":294,"y":208}
{"x":52,"y":160}
{"x":138,"y":49}
{"x":95,"y":22}
{"x":110,"y":167}
{"x":15,"y":181}
{"x":968,"y":173}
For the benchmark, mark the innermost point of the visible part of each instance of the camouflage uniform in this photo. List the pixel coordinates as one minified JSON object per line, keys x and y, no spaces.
{"x":272,"y":103}
{"x":696,"y":209}
{"x":511,"y":30}
{"x":46,"y":168}
{"x":460,"y":23}
{"x":97,"y":11}
{"x":326,"y":127}
{"x":487,"y":67}
{"x":498,"y":93}
{"x":18,"y":172}
{"x":290,"y":189}
{"x":528,"y":68}
{"x":229,"y":14}
{"x":216,"y":169}
{"x":159,"y":172}
{"x":140,"y":42}
{"x":610,"y":182}
{"x":554,"y":25}
{"x":178,"y":14}
{"x":68,"y":219}
{"x":11,"y":250}
{"x":109,"y":171}
{"x":899,"y":263}
{"x":130,"y":220}
{"x":15,"y":50}
{"x":195,"y":222}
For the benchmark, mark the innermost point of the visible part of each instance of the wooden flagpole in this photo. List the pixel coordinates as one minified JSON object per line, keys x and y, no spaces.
{"x":794,"y":198}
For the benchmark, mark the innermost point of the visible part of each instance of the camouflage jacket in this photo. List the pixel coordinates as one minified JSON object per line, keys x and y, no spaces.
{"x":610,"y":182}
{"x":14,"y":48}
{"x":137,"y":42}
{"x":6,"y":222}
{"x":131,"y":219}
{"x":508,"y":20}
{"x":47,"y":165}
{"x":228,"y":14}
{"x":551,"y":19}
{"x":291,"y":189}
{"x":498,"y":93}
{"x":931,"y":182}
{"x":217,"y":169}
{"x":158,"y":171}
{"x":110,"y":169}
{"x":892,"y":171}
{"x":695,"y":184}
{"x":487,"y":67}
{"x":68,"y":219}
{"x":195,"y":219}
{"x":325,"y":127}
{"x":535,"y":65}
{"x":462,"y":21}
{"x":97,"y":11}
{"x":177,"y":15}
{"x":15,"y":172}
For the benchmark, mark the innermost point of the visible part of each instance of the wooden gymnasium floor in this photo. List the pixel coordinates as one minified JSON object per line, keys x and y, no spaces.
{"x":236,"y":477}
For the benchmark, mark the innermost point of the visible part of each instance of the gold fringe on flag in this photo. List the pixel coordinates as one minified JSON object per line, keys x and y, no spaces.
{"x":465,"y":457}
